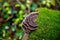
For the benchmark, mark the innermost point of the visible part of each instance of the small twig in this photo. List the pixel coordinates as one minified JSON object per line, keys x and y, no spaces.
{"x":8,"y":18}
{"x":18,"y":1}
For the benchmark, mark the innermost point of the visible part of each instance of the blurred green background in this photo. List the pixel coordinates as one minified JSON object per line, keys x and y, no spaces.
{"x":48,"y":19}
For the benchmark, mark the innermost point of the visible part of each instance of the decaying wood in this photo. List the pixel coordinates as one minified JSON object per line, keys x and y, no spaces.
{"x":25,"y":36}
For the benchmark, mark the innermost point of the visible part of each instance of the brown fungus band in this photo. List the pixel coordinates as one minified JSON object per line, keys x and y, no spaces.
{"x":28,"y":23}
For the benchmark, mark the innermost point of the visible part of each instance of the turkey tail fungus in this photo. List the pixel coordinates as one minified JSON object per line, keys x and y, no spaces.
{"x":29,"y":24}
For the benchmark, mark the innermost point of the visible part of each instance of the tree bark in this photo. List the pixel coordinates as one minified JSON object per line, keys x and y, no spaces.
{"x":25,"y":36}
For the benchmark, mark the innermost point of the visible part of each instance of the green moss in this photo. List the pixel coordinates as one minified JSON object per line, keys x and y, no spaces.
{"x":48,"y":25}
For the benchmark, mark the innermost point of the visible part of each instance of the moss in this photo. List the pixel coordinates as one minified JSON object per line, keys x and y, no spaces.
{"x":48,"y":25}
